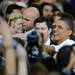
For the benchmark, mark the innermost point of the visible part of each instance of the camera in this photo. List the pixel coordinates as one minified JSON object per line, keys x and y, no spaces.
{"x":32,"y":39}
{"x":33,"y":50}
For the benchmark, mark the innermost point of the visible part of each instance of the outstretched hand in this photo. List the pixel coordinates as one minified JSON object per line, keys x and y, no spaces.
{"x":5,"y":31}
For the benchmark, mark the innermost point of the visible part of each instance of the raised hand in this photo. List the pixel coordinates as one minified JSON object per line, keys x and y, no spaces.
{"x":5,"y":31}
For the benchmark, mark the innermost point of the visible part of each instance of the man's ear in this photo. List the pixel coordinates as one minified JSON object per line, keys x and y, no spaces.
{"x":69,"y":32}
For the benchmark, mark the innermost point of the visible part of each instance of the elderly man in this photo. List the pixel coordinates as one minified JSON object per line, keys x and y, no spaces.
{"x":29,"y":16}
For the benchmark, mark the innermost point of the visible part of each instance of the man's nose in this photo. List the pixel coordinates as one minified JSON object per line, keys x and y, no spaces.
{"x":23,"y":21}
{"x":40,"y":31}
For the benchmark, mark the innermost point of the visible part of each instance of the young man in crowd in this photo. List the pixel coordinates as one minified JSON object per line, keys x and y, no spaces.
{"x":36,"y":53}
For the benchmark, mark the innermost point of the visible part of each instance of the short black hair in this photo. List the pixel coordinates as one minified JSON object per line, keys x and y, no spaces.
{"x":11,"y":7}
{"x":1,"y":1}
{"x":38,"y":69}
{"x":68,"y":18}
{"x":43,"y":19}
{"x":54,"y":8}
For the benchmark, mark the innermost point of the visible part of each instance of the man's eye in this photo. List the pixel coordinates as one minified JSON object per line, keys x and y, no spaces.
{"x":60,"y":27}
{"x":37,"y":28}
{"x":46,"y":10}
{"x":42,"y":28}
{"x":53,"y":26}
{"x":26,"y":19}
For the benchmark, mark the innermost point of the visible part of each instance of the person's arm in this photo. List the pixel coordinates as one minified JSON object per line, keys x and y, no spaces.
{"x":67,"y":70}
{"x":71,"y":62}
{"x":22,"y":60}
{"x":22,"y":36}
{"x":10,"y":64}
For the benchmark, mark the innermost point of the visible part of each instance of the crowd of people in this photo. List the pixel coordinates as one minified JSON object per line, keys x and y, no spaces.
{"x":37,"y":37}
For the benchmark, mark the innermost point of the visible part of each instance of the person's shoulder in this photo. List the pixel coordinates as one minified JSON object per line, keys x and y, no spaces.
{"x":71,"y":41}
{"x":72,"y":37}
{"x":30,"y":31}
{"x":68,"y":42}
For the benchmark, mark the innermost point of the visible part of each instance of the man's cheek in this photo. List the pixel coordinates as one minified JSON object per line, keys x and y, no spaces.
{"x":44,"y":32}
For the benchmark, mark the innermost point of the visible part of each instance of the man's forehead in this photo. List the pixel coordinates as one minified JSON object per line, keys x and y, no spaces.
{"x":31,"y":12}
{"x":47,"y":6}
{"x":27,"y":16}
{"x":42,"y":23}
{"x":59,"y":22}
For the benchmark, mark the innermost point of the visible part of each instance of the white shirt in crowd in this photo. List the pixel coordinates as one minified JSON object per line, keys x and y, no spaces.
{"x":66,"y":42}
